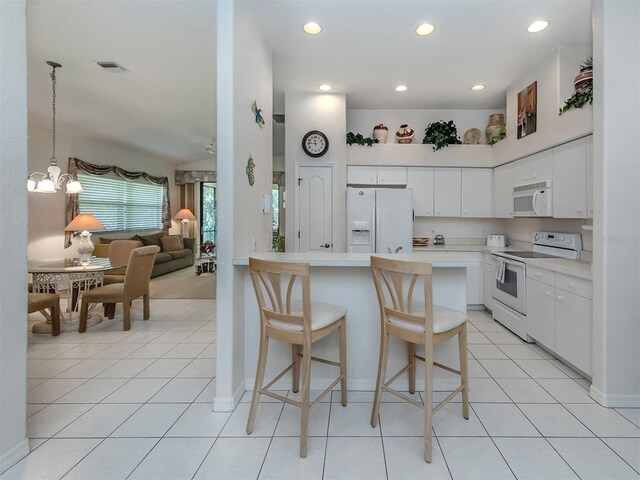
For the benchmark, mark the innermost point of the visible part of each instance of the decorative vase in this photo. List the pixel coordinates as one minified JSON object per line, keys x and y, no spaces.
{"x":495,"y":126}
{"x":380,"y":133}
{"x":584,"y":78}
{"x":404,"y":134}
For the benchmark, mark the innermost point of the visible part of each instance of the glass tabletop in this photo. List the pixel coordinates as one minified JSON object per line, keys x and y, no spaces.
{"x":70,"y":265}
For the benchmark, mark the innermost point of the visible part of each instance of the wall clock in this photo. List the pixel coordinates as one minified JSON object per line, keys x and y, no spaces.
{"x":315,"y":144}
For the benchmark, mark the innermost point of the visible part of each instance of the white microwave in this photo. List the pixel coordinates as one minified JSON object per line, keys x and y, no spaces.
{"x":533,"y":200}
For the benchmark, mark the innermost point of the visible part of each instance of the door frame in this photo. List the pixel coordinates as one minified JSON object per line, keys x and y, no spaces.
{"x":300,"y":165}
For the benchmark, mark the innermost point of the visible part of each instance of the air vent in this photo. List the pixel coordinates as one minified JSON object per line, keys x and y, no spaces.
{"x":112,"y":67}
{"x":278,"y":117}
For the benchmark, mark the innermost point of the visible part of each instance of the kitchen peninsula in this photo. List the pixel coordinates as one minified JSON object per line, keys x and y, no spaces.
{"x":345,"y":279}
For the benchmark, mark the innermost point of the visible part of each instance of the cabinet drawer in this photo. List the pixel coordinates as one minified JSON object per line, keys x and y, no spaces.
{"x":541,"y":275}
{"x":578,"y":286}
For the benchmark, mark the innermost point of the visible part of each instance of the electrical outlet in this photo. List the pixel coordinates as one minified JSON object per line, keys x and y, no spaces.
{"x":253,"y":244}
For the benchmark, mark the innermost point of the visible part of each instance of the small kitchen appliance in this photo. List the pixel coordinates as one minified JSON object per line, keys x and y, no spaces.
{"x":438,"y":240}
{"x":533,"y":200}
{"x":510,"y":306}
{"x":496,"y":240}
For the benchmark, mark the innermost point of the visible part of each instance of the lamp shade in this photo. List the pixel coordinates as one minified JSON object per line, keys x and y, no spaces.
{"x":84,"y":221}
{"x":185,"y":214}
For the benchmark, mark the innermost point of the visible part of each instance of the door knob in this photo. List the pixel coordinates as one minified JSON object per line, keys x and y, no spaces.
{"x":326,"y":245}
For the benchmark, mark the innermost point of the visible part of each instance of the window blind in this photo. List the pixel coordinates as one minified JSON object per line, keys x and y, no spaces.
{"x":120,"y":204}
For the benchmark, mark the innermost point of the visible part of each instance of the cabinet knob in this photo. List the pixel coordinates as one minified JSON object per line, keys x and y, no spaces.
{"x":429,"y":211}
{"x":548,"y":294}
{"x":534,"y":177}
{"x":579,"y":210}
{"x":560,"y":298}
{"x":439,"y":211}
{"x":572,"y":285}
{"x":537,"y":274}
{"x":466,"y":213}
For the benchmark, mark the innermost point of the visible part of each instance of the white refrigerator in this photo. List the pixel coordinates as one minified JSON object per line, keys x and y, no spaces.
{"x":379,"y":220}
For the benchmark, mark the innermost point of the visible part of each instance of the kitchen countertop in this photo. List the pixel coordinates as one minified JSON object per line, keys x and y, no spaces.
{"x":320,"y":259}
{"x":575,"y":268}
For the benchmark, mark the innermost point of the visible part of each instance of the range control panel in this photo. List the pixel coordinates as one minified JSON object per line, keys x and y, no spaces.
{"x":571,"y":241}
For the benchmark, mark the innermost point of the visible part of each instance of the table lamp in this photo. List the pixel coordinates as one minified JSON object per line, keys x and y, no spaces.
{"x":83,"y":223}
{"x":184,"y":216}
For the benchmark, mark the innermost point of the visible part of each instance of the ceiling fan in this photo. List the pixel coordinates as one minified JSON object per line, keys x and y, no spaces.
{"x":209,"y":152}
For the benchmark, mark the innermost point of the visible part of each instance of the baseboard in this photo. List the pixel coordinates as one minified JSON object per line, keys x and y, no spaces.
{"x":14,"y":455}
{"x":446,"y":385}
{"x":228,"y":404}
{"x":613,"y":400}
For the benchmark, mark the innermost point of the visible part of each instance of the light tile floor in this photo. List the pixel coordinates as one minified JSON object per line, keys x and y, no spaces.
{"x":110,"y":405}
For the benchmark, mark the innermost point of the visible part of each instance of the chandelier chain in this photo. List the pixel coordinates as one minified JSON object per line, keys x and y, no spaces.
{"x":54,"y":160}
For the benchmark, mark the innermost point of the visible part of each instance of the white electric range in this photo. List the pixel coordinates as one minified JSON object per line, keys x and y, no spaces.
{"x":509,"y":291}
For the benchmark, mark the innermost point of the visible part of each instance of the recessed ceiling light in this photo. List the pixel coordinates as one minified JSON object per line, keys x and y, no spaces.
{"x":325,"y":87}
{"x":312,"y":28}
{"x":537,"y":26}
{"x":425,"y":29}
{"x":401,"y":88}
{"x":477,"y":88}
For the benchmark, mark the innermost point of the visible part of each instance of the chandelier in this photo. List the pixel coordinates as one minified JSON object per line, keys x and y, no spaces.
{"x":52,"y":181}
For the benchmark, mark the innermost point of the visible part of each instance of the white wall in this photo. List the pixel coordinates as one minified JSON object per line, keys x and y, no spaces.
{"x":363,"y":121}
{"x":554,"y":74}
{"x":13,"y":236}
{"x":325,"y":112}
{"x":616,"y":173}
{"x":244,"y":74}
{"x":47,"y":212}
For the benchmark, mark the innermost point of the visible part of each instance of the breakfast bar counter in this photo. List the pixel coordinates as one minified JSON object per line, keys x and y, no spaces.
{"x":345,"y":279}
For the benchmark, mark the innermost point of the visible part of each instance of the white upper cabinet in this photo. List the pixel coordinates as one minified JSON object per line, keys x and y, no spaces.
{"x":392,"y":175}
{"x":503,"y":191}
{"x":477,"y":188}
{"x":447,"y":192}
{"x":533,"y":169}
{"x":589,"y":147}
{"x":570,"y":180}
{"x":366,"y":175}
{"x":362,"y":175}
{"x":420,"y":180}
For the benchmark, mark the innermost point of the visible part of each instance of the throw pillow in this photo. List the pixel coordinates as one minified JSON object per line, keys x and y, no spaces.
{"x":172,"y":243}
{"x":106,"y":241}
{"x":153,"y":239}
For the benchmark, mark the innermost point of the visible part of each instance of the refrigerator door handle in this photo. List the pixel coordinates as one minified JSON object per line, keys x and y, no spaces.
{"x":377,"y":245}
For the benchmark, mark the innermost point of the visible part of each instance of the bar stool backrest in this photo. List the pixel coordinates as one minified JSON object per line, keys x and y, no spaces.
{"x":395,"y":282}
{"x":268,"y":278}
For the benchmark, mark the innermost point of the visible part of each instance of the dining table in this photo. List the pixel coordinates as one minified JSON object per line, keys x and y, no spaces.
{"x":72,"y":277}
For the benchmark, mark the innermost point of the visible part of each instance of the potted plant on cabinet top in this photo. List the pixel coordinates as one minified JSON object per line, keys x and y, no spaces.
{"x":441,"y":134}
{"x":583,"y":85}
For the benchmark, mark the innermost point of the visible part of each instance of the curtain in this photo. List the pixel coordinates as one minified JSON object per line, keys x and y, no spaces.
{"x":76,"y":164}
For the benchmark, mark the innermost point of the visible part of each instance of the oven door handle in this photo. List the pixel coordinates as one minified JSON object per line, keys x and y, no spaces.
{"x":536,"y":197}
{"x":508,"y":261}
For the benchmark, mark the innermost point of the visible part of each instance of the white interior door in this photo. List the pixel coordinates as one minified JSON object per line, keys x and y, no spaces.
{"x":315,"y":194}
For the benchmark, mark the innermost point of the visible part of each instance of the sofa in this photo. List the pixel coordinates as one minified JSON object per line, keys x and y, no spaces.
{"x":165,"y":262}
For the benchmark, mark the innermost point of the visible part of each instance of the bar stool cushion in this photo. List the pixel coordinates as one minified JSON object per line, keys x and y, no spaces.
{"x":444,"y":319}
{"x":322,"y":314}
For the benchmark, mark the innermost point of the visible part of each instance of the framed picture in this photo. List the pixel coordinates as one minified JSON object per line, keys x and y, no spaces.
{"x":527,"y":110}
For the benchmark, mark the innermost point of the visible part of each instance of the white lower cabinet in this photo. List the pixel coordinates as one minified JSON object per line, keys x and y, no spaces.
{"x":475,"y":280}
{"x":541,"y":313}
{"x":573,"y":329}
{"x":489,"y":280}
{"x":560,"y":319}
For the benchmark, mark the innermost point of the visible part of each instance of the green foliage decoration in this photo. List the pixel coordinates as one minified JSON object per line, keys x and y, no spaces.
{"x":441,"y":134}
{"x":358,"y":139}
{"x":502,"y":134}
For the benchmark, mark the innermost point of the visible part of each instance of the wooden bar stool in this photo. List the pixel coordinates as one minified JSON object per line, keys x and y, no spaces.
{"x":297,"y":322}
{"x":418,"y":324}
{"x":41,"y":301}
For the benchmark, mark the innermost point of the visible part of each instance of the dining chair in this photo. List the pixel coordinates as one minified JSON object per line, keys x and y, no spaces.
{"x":418,"y":324}
{"x":42,"y":301}
{"x":300,"y":323}
{"x":119,"y":253}
{"x":136,"y":285}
